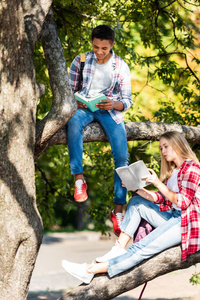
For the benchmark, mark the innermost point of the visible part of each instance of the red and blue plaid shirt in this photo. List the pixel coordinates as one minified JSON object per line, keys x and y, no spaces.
{"x":188,"y":200}
{"x":120,"y":88}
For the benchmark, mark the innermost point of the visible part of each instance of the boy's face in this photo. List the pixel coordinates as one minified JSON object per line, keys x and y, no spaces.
{"x":102,"y":49}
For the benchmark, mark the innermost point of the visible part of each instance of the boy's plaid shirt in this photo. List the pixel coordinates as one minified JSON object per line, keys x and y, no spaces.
{"x":188,"y":199}
{"x":120,"y":88}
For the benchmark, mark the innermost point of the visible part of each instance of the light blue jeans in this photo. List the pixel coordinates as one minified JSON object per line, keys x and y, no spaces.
{"x":117,"y":138}
{"x":167,"y":233}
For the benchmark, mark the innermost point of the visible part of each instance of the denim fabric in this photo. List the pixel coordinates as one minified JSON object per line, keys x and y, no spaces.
{"x":117,"y":138}
{"x":167,"y":233}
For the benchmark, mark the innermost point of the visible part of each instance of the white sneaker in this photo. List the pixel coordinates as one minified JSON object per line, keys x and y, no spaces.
{"x":116,"y":250}
{"x":78,"y":270}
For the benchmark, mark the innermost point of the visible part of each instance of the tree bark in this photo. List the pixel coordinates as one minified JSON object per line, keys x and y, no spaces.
{"x":63,"y":102}
{"x":35,"y":12}
{"x":103,"y":288}
{"x":134,"y":130}
{"x":20,"y":223}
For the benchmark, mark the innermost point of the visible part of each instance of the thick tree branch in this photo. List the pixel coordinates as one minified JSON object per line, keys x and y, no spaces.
{"x":63,"y":103}
{"x":103,"y":288}
{"x":135,"y":131}
{"x":35,"y":12}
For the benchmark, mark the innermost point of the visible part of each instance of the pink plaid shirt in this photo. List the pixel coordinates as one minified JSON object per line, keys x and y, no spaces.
{"x":188,"y":199}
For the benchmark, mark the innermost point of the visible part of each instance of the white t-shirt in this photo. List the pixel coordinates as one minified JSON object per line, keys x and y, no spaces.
{"x":102,"y":78}
{"x":172,"y":184}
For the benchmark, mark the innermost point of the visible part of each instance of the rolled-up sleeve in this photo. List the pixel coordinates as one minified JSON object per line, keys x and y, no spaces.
{"x":163,"y":202}
{"x":160,"y":197}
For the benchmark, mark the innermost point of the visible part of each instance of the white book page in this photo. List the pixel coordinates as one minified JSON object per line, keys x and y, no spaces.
{"x":127,"y":178}
{"x":140,"y":170}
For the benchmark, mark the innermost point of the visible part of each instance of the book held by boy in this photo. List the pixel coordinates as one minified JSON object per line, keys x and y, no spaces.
{"x":90,"y":102}
{"x":131,"y":175}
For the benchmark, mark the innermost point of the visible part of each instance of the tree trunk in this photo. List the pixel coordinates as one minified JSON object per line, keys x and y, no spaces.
{"x":20,"y":224}
{"x":103,"y":288}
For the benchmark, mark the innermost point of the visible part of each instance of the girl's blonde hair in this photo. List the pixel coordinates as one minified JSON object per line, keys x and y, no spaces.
{"x":180,"y":145}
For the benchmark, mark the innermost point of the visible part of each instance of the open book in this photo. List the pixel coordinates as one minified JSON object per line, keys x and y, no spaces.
{"x":131,"y":175}
{"x":90,"y":102}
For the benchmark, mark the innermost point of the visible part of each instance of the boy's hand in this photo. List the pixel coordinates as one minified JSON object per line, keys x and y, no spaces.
{"x":80,"y":105}
{"x":105,"y":104}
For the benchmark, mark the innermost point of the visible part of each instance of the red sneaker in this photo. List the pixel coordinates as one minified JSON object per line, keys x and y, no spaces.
{"x":80,"y":194}
{"x":116,"y":219}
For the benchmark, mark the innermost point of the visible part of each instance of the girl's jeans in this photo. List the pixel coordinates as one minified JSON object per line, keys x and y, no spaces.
{"x":117,"y":138}
{"x":167,"y":233}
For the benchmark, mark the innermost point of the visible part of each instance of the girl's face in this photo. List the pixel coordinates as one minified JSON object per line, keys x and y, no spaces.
{"x":167,"y":151}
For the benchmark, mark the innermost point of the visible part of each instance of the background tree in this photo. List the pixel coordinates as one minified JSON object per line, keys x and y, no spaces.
{"x":21,"y":25}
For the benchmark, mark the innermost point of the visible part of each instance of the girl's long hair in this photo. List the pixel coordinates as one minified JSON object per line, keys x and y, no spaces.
{"x":180,"y":145}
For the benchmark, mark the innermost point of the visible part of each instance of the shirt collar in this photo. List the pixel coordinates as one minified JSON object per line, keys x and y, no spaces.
{"x":185,"y":162}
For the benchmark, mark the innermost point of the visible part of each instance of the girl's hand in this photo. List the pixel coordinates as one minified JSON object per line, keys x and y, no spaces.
{"x":153,"y":178}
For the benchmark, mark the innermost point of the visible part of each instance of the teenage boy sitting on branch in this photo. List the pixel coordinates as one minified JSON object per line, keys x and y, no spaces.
{"x":103,"y":72}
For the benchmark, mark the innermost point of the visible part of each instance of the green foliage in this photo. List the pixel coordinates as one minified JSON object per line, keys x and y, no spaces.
{"x":54,"y":186}
{"x":195,"y":279}
{"x":167,"y":71}
{"x":159,"y":41}
{"x":168,"y":112}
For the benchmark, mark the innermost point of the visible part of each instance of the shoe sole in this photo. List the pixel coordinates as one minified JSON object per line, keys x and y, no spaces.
{"x":117,"y":235}
{"x":82,"y":200}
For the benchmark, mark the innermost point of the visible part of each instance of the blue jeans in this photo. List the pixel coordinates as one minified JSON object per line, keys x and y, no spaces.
{"x":167,"y":233}
{"x":117,"y":138}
